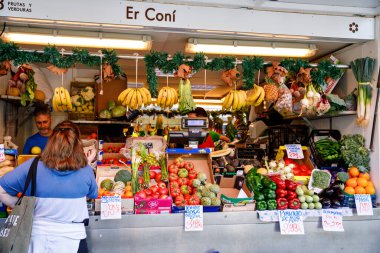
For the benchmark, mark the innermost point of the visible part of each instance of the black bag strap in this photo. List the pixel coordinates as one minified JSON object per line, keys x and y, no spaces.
{"x":32,"y":176}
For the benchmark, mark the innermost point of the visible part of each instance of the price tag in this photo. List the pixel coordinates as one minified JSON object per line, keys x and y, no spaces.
{"x":193,"y":218}
{"x":294,"y":151}
{"x":2,"y":155}
{"x":363,"y":204}
{"x":110,"y":207}
{"x":332,"y":220}
{"x":291,"y":222}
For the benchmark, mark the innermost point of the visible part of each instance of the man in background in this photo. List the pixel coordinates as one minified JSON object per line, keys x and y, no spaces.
{"x":36,"y":143}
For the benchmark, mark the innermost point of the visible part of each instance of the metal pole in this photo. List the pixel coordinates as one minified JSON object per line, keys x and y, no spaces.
{"x":375,"y":116}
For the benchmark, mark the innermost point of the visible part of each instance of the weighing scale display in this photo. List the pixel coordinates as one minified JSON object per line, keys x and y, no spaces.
{"x":194,"y":123}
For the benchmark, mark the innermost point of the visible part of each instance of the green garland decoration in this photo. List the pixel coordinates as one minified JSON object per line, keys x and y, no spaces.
{"x":250,"y":65}
{"x":173,"y":113}
{"x":11,"y":52}
{"x":325,"y":69}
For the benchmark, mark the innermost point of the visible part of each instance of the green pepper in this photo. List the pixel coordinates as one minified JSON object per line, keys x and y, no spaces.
{"x":272,"y":204}
{"x":266,"y":181}
{"x":269,"y":194}
{"x":261,"y":205}
{"x":257,"y":182}
{"x":258,"y":196}
{"x":272,"y":186}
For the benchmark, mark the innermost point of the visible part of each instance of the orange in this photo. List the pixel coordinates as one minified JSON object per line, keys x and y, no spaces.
{"x":371,"y":184}
{"x":359,"y":190}
{"x":364,"y":175}
{"x":370,"y":189}
{"x":349,"y":190}
{"x":128,"y":188}
{"x":362,"y":182}
{"x":353,"y":171}
{"x":351,"y":182}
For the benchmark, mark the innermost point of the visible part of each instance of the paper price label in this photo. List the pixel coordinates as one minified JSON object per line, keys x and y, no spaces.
{"x":363,"y":204}
{"x":193,"y":218}
{"x":332,"y":220}
{"x":291,"y":222}
{"x":294,"y":151}
{"x":110,"y":207}
{"x":2,"y":154}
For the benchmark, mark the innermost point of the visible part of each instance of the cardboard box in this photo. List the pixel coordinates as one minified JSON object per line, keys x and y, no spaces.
{"x":202,"y":163}
{"x":108,"y":172}
{"x":230,"y":189}
{"x":106,"y":146}
{"x":306,"y":153}
{"x":153,"y":205}
{"x":152,"y":143}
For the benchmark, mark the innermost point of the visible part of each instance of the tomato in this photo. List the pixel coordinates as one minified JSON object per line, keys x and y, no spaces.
{"x":163,"y":191}
{"x":185,"y":189}
{"x":152,"y":174}
{"x":182,"y":181}
{"x":179,"y":162}
{"x":141,"y":194}
{"x":156,"y":195}
{"x":158,"y":177}
{"x":303,"y":167}
{"x":174,"y":184}
{"x":173,"y":168}
{"x":154,"y":188}
{"x":190,"y":182}
{"x":148,"y":192}
{"x":186,"y":196}
{"x":296,"y":171}
{"x":161,"y":185}
{"x":179,"y":201}
{"x":175,"y":192}
{"x":192,"y":174}
{"x":189,"y":165}
{"x":163,"y":196}
{"x":173,"y":177}
{"x":141,"y":180}
{"x":194,"y":200}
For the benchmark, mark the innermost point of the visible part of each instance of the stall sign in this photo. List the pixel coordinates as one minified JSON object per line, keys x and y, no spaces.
{"x":291,"y":222}
{"x":193,"y":218}
{"x":363,"y":204}
{"x":294,"y":151}
{"x":332,"y":220}
{"x":110,"y":207}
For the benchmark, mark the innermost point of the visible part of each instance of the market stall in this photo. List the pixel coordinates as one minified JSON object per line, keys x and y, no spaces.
{"x":301,"y":155}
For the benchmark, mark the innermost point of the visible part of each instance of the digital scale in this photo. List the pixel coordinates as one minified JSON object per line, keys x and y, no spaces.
{"x":191,"y":135}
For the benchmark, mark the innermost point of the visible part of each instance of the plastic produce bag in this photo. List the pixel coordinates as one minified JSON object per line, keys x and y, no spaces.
{"x":284,"y":102}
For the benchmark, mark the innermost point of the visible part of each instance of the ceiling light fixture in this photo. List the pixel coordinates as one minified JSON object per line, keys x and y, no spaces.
{"x":258,"y":48}
{"x":41,"y":36}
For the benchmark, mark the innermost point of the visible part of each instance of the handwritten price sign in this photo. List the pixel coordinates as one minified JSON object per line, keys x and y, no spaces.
{"x":2,"y":155}
{"x":332,"y":220}
{"x":291,"y":222}
{"x":363,"y":204}
{"x":193,"y":218}
{"x":294,"y":151}
{"x":110,"y":207}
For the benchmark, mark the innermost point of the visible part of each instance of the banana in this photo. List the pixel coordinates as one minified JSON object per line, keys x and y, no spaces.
{"x":159,"y":98}
{"x":168,"y":97}
{"x":68,"y":99}
{"x":225,"y":102}
{"x":235,"y":101}
{"x":241,"y":101}
{"x":175,"y":96}
{"x":56,"y":100}
{"x":123,"y":95}
{"x":254,"y":94}
{"x":261,"y":97}
{"x":143,"y":96}
{"x":133,"y":103}
{"x":62,"y":96}
{"x":139,"y":99}
{"x":128,"y":98}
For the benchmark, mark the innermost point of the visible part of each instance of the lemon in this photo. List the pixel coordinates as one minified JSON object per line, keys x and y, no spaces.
{"x":35,"y":150}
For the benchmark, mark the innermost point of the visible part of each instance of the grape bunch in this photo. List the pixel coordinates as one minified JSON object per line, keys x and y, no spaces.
{"x":150,"y":159}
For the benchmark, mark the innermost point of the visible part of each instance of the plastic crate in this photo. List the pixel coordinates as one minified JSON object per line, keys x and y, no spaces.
{"x":250,"y":153}
{"x":286,"y":134}
{"x":206,"y":209}
{"x":317,"y":159}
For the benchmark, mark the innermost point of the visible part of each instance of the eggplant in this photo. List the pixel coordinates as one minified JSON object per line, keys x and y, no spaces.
{"x":329,"y":192}
{"x":340,"y":197}
{"x":326,"y":203}
{"x":339,"y":183}
{"x":335,"y":203}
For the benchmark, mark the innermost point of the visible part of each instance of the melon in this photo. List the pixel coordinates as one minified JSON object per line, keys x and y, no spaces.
{"x":39,"y":95}
{"x":13,"y":91}
{"x":107,"y":184}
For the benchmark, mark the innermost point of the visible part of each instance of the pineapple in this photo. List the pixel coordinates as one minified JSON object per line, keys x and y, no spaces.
{"x":271,"y":92}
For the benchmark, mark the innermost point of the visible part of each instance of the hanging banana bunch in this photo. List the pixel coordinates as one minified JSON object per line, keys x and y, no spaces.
{"x":61,"y":100}
{"x":135,"y":98}
{"x":235,"y":100}
{"x":167,"y":97}
{"x":256,"y":95}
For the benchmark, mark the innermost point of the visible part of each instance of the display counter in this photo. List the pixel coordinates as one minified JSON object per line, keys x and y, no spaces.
{"x":229,"y":232}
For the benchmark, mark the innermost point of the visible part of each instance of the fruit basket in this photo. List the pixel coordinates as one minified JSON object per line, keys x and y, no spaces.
{"x":83,"y":102}
{"x":318,"y":159}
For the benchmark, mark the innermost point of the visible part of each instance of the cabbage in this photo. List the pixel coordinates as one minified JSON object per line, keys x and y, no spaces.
{"x":111,"y":104}
{"x":118,"y":111}
{"x":105,"y":114}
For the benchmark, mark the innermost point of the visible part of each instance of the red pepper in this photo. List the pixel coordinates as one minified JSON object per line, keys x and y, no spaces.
{"x":290,"y":185}
{"x":295,"y":204}
{"x":281,"y":193}
{"x":282,"y":203}
{"x":280,"y":184}
{"x":291,"y":195}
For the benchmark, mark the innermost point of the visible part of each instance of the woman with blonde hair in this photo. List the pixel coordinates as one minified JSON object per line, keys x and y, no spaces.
{"x":64,"y":181}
